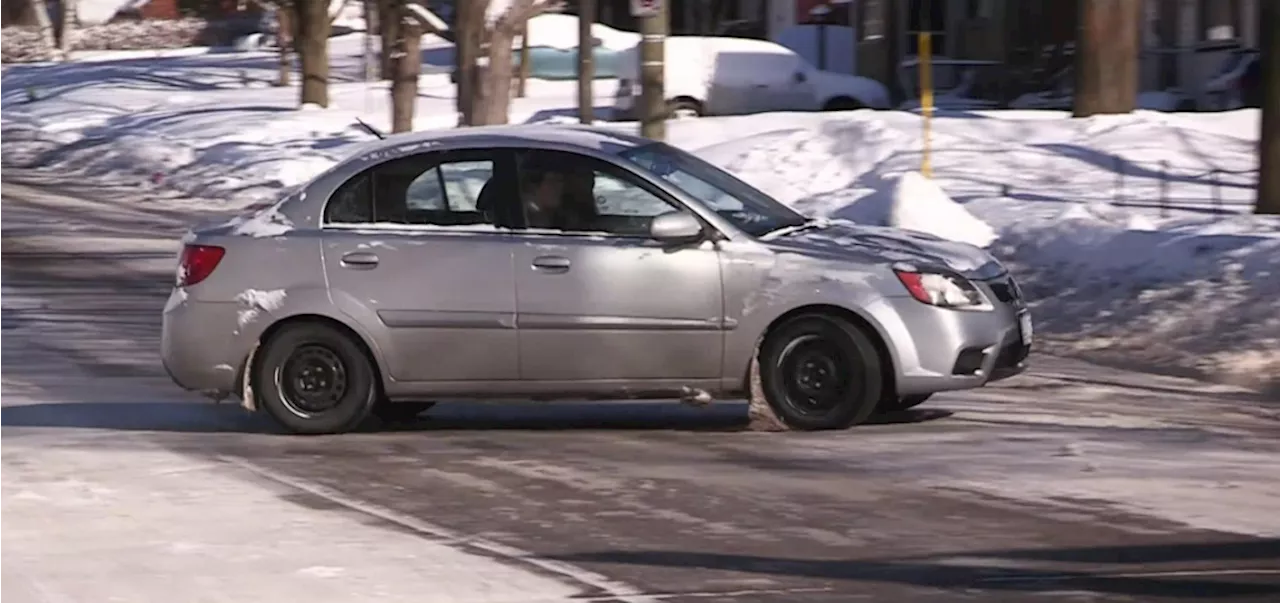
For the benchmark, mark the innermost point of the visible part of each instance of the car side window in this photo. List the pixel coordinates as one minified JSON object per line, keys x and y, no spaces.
{"x":438,"y":189}
{"x":451,"y":186}
{"x":577,"y":194}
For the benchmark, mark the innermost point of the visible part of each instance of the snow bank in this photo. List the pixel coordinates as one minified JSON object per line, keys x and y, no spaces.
{"x":920,"y":204}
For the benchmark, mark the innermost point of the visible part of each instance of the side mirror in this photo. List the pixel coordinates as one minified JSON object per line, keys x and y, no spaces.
{"x":676,"y":227}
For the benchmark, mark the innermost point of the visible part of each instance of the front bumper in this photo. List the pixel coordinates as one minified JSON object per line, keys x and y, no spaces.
{"x":937,"y":349}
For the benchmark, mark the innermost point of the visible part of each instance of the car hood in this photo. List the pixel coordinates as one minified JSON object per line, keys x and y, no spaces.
{"x":882,"y":244}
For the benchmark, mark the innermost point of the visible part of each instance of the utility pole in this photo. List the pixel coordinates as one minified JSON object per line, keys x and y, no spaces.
{"x":586,"y":61}
{"x":1268,"y":201}
{"x":653,"y":97}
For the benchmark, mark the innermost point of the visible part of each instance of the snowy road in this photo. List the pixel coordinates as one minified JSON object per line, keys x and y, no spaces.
{"x":1073,"y":482}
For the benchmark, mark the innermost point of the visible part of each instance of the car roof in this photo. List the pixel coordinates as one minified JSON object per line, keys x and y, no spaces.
{"x":582,"y":136}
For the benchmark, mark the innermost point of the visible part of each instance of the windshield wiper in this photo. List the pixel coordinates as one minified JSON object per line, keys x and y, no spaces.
{"x":795,"y":228}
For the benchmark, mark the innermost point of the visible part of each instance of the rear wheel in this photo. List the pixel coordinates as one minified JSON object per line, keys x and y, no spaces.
{"x":314,"y":379}
{"x":820,"y":372}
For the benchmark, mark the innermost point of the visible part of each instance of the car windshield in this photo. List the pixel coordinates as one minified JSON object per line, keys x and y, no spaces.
{"x":752,"y":211}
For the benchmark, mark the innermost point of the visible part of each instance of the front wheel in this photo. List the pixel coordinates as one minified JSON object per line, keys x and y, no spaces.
{"x":314,"y":379}
{"x":820,"y":372}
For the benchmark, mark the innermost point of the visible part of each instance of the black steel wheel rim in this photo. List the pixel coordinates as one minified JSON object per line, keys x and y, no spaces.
{"x":312,"y":380}
{"x":817,"y":374}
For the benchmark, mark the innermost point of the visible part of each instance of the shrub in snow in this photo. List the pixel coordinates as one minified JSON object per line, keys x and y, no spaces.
{"x":919,"y":204}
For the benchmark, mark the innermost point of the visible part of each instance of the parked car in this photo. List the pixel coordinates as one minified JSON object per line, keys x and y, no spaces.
{"x":733,"y":76}
{"x":1237,"y":83}
{"x":436,"y":264}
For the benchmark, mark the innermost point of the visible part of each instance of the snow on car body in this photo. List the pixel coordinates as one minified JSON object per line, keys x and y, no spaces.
{"x":407,"y":272}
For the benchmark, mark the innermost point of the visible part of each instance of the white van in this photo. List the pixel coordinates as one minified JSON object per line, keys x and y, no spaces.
{"x":736,"y":76}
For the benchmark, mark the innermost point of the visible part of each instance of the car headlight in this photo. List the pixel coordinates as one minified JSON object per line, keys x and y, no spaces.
{"x":941,"y":289}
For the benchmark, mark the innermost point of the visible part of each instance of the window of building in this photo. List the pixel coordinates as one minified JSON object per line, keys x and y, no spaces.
{"x":926,"y":16}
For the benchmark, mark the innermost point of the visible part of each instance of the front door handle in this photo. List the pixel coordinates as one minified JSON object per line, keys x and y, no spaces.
{"x":360,"y":259}
{"x":551,"y":263}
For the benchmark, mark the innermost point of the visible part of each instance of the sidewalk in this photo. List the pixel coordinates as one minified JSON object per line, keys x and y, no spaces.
{"x":99,"y":516}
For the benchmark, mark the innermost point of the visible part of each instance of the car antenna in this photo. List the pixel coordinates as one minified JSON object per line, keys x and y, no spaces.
{"x":370,"y":129}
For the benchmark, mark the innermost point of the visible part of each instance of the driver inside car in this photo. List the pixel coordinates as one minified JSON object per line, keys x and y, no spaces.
{"x":557,"y":197}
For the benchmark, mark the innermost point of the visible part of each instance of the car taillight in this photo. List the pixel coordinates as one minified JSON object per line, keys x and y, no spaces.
{"x":197,"y":262}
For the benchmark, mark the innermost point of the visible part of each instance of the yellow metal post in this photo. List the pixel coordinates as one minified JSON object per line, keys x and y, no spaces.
{"x":926,"y":99}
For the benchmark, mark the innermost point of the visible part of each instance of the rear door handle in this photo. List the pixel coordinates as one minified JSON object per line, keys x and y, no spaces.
{"x":360,"y":259}
{"x":551,"y":263}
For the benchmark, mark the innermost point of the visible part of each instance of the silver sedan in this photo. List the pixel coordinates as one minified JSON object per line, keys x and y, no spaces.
{"x":546,"y":262}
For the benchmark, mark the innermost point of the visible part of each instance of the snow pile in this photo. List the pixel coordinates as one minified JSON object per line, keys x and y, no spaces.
{"x":213,"y":125}
{"x":1193,"y":294}
{"x":919,"y":204}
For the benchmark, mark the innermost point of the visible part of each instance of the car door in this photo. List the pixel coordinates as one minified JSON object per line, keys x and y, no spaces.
{"x":412,"y":252}
{"x":606,"y":303}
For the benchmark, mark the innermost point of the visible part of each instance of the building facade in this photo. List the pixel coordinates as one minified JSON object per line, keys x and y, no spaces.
{"x":1183,"y":41}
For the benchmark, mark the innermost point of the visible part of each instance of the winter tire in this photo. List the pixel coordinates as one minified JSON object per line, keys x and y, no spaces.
{"x":314,"y":379}
{"x":820,"y":372}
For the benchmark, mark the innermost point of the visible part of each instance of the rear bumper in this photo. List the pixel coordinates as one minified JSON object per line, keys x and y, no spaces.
{"x":200,"y":346}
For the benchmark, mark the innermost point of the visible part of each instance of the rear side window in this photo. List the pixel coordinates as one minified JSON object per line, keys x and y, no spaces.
{"x":455,"y":188}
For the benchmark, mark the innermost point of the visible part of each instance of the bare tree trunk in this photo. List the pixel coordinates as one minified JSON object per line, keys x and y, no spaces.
{"x":468,"y":28}
{"x":1268,"y":201}
{"x":45,"y":23}
{"x":1107,"y":57}
{"x":366,"y":58}
{"x":389,"y":34}
{"x":408,"y":60}
{"x":522,"y":77}
{"x":67,"y":20}
{"x":284,"y":40}
{"x":313,"y":50}
{"x":493,"y":104}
